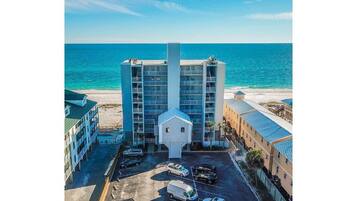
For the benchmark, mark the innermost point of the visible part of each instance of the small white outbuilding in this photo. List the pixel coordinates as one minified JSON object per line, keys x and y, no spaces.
{"x":175,"y":131}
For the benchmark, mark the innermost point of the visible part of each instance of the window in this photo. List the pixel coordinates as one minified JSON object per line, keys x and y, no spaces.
{"x":285,"y":176}
{"x":261,"y":139}
{"x":286,"y":161}
{"x":167,"y":129}
{"x":266,"y":156}
{"x":182,"y":129}
{"x":268,"y":144}
{"x":277,"y":169}
{"x":254,"y":144}
{"x":278,"y":154}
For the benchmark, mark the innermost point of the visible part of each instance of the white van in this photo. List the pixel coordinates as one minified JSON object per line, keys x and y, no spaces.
{"x":179,"y":190}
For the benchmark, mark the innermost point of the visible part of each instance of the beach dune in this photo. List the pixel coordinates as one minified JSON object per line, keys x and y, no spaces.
{"x":110,"y":102}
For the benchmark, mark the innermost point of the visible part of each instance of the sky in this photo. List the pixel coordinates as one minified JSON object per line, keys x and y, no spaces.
{"x":185,"y":21}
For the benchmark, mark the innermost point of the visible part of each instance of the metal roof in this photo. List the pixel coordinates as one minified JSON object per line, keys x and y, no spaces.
{"x":266,"y":127}
{"x":285,"y":148}
{"x":76,"y":114}
{"x":266,"y":123}
{"x":239,"y":106}
{"x":171,"y":113}
{"x":71,"y":95}
{"x":288,"y":101}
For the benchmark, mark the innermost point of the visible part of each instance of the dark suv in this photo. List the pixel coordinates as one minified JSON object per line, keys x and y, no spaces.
{"x":204,"y":168}
{"x":208,"y":177}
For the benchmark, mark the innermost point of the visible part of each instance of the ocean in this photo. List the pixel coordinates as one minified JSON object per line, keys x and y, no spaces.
{"x":97,"y":66}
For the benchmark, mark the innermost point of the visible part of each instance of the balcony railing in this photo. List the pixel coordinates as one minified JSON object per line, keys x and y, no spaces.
{"x":137,"y":100}
{"x":210,"y":99}
{"x":210,"y":110}
{"x":138,"y":119}
{"x":190,"y":102}
{"x":137,"y":90}
{"x":191,"y":82}
{"x":191,"y":91}
{"x":137,"y":109}
{"x":211,"y":79}
{"x":211,"y":89}
{"x":137,"y":79}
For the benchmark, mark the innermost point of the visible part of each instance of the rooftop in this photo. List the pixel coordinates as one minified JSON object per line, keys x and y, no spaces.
{"x":288,"y":101}
{"x":171,"y":113}
{"x":71,"y":95}
{"x":164,"y":62}
{"x":266,"y":123}
{"x":285,"y":148}
{"x":239,"y":93}
{"x":76,"y":114}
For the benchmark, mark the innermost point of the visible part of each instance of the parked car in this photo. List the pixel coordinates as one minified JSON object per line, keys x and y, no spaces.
{"x":133,"y":152}
{"x":207,"y":177}
{"x":179,"y":190}
{"x":213,"y":199}
{"x":204,"y":168}
{"x":177,"y":169}
{"x":130,"y":162}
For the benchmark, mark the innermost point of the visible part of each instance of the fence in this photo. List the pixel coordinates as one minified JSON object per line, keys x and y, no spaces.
{"x":219,"y":143}
{"x":109,"y":174}
{"x":273,"y":191}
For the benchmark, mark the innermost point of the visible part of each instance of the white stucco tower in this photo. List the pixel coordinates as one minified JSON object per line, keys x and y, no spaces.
{"x":173,"y":75}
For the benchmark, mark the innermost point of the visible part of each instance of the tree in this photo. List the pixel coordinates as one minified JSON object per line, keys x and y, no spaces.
{"x":255,"y":161}
{"x":211,"y":125}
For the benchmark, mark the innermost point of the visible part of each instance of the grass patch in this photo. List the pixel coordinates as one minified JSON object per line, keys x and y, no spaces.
{"x":259,"y":187}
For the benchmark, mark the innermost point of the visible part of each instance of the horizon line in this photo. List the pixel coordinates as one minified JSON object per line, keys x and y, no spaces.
{"x":109,"y":43}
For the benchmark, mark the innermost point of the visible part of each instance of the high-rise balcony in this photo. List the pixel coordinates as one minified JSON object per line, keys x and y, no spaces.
{"x":210,"y":99}
{"x":209,"y":110}
{"x":138,"y":109}
{"x":138,"y":119}
{"x":191,"y":91}
{"x":137,"y":90}
{"x":137,"y":79}
{"x":191,"y":82}
{"x":190,"y":102}
{"x":210,"y":79}
{"x":138,"y":100}
{"x":211,"y":89}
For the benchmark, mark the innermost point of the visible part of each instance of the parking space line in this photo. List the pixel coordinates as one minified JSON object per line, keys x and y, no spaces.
{"x":215,"y":194}
{"x":194,"y":182}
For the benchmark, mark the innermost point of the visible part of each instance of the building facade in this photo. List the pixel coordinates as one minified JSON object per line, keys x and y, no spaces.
{"x":260,"y":129}
{"x":152,"y":87}
{"x":282,"y":164}
{"x":81,"y":129}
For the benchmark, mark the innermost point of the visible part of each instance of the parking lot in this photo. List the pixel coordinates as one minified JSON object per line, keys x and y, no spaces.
{"x":148,"y":180}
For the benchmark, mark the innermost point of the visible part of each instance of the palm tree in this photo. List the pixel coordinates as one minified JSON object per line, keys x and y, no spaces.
{"x":211,"y":125}
{"x":255,"y":161}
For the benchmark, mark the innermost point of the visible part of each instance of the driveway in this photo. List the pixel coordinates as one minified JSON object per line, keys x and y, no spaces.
{"x":148,"y":181}
{"x":87,"y":183}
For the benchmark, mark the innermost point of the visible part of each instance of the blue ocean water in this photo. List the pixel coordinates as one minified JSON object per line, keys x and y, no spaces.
{"x":97,"y":66}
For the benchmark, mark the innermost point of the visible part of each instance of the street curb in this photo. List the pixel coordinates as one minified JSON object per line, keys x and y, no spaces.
{"x":245,"y":179}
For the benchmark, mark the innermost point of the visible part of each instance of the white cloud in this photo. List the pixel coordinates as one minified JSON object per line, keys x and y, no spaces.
{"x":271,"y":16}
{"x":115,"y":6}
{"x":169,"y":5}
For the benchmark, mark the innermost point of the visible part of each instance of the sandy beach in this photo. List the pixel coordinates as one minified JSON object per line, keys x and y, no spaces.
{"x":110,"y":112}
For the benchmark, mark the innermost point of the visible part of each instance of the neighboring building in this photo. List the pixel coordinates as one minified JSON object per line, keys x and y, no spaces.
{"x":81,"y":128}
{"x":283,"y":164}
{"x":152,"y":87}
{"x":258,"y":127}
{"x":288,"y":109}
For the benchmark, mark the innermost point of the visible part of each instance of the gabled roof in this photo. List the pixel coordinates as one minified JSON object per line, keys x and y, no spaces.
{"x":266,"y":123}
{"x":288,"y":101}
{"x":239,"y":93}
{"x":71,"y":95}
{"x":285,"y":148}
{"x":239,"y":106}
{"x":171,"y":113}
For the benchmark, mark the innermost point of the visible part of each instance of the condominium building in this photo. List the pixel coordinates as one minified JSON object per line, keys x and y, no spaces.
{"x":282,"y":164}
{"x":81,"y":128}
{"x":190,"y":91}
{"x":260,"y":129}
